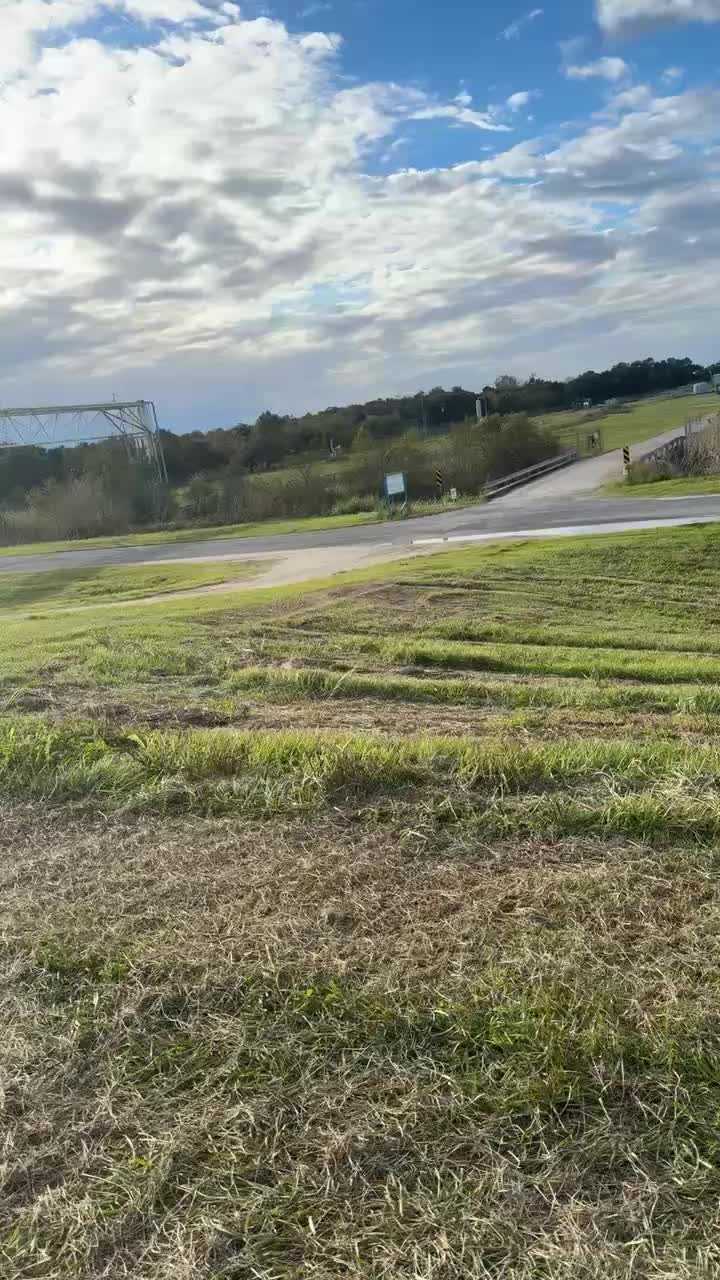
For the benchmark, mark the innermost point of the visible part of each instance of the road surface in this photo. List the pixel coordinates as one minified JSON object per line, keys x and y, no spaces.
{"x":587,"y":476}
{"x":560,"y":503}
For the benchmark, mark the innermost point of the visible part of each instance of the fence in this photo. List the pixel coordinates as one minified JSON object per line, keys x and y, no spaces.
{"x":497,"y":487}
{"x":675,"y":451}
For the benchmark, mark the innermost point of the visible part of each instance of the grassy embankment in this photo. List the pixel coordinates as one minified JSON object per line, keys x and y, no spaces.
{"x":372,"y":931}
{"x":645,"y":420}
{"x":680,"y":487}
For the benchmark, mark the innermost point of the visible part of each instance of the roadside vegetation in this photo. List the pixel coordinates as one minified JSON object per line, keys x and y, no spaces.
{"x":117,"y":495}
{"x":661,"y":487}
{"x":688,"y":467}
{"x":258,"y":529}
{"x":369,"y":930}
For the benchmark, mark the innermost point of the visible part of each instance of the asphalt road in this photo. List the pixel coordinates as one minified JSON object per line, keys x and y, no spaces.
{"x":573,"y":514}
{"x":561,"y":502}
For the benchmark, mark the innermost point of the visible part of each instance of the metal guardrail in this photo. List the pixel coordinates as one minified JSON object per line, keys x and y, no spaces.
{"x":674,"y":450}
{"x":497,"y":487}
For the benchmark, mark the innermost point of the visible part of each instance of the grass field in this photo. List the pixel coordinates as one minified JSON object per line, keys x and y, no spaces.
{"x":645,"y":420}
{"x":682,"y":487}
{"x":369,"y":931}
{"x":68,"y":588}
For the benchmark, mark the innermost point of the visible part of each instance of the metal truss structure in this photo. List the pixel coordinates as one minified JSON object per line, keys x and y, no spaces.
{"x":51,"y":426}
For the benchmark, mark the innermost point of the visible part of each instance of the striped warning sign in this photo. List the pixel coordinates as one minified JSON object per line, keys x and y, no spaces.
{"x":439,"y":483}
{"x":626,"y":455}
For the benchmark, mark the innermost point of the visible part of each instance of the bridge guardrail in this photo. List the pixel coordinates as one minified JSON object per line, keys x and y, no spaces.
{"x":496,"y":488}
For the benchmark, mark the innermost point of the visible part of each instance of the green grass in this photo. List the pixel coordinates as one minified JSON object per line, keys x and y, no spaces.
{"x":681,"y":487}
{"x":644,"y":791}
{"x":263,"y":528}
{"x":645,"y":420}
{"x":369,"y":930}
{"x":67,"y":588}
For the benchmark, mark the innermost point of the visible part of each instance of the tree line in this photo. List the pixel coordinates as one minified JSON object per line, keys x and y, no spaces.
{"x":329,"y":461}
{"x":277,"y":440}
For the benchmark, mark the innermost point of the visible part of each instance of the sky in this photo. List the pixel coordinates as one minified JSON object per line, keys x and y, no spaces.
{"x":231,"y":207}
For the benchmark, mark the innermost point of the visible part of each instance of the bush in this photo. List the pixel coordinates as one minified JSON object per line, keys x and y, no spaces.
{"x":649,"y":472}
{"x":116,"y":500}
{"x":469,"y":456}
{"x":354,"y":504}
{"x":520,"y":443}
{"x":703,"y":453}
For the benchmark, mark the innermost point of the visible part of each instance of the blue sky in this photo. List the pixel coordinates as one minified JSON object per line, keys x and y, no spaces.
{"x":227,"y":207}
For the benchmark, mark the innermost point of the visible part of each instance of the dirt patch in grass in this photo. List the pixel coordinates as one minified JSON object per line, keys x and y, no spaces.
{"x":327,"y":894}
{"x":371,"y":716}
{"x":334,"y":713}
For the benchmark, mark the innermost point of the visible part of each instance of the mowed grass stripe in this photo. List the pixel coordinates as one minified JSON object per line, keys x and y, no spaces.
{"x":547,"y":635}
{"x":652,"y":667}
{"x":662,"y":788}
{"x":556,"y":634}
{"x":514,"y":659}
{"x":317,"y":684}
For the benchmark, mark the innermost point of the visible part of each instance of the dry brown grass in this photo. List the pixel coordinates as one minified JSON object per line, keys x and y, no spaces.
{"x":341,"y":1049}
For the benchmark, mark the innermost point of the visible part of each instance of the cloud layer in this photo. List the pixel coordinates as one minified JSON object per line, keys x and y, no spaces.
{"x":206,"y":219}
{"x":611,"y":69}
{"x":617,"y":16}
{"x":513,"y":30}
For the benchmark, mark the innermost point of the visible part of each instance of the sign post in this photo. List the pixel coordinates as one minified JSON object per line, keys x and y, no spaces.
{"x":626,"y":458}
{"x":396,"y":488}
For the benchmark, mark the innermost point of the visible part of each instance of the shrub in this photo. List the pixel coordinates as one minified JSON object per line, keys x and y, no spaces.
{"x":703,"y":453}
{"x":649,"y":472}
{"x":354,"y":504}
{"x":521,"y":443}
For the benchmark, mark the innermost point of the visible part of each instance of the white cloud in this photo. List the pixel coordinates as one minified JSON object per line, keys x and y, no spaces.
{"x":173,"y":11}
{"x":462,"y":114}
{"x":671,"y":75}
{"x":222,"y":228}
{"x":630,"y":99}
{"x":612,"y":69}
{"x":512,"y":31}
{"x":25,"y":22}
{"x":517,"y":101}
{"x":617,"y":16}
